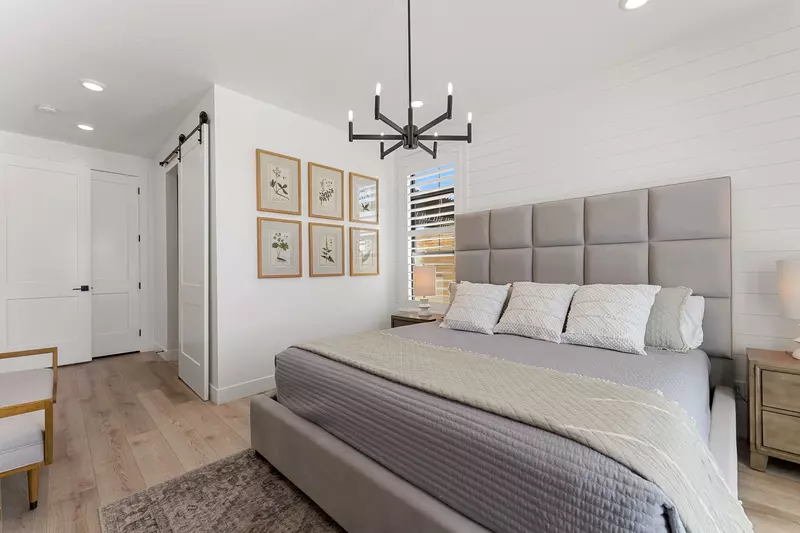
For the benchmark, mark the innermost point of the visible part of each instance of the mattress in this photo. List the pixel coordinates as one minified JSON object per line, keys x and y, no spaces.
{"x":504,"y":475}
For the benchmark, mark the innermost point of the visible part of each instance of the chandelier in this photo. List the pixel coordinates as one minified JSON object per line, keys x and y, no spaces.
{"x":410,"y":136}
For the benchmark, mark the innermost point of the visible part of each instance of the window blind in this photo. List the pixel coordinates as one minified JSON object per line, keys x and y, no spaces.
{"x":430,"y":211}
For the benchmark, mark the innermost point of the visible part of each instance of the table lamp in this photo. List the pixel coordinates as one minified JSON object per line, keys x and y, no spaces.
{"x":789,"y":291}
{"x":424,"y":286}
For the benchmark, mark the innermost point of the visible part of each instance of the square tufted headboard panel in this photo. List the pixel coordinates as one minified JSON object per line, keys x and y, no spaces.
{"x":669,"y":236}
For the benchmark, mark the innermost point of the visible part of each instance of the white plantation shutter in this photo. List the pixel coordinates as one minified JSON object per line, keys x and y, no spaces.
{"x":430,"y":213}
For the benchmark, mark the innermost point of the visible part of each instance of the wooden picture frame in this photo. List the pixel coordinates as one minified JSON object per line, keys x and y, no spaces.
{"x":281,"y":232}
{"x":317,"y":267}
{"x":316,"y":192}
{"x":356,"y":255}
{"x":278,"y":197}
{"x":358,"y":198}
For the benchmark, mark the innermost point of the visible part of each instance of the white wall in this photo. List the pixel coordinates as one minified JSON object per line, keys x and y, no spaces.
{"x":723,"y":104}
{"x":258,"y":318}
{"x":94,"y":159}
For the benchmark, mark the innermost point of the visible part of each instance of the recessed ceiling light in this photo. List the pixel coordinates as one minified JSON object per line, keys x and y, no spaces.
{"x":629,"y":5}
{"x":93,"y":85}
{"x":47,"y":108}
{"x":86,"y":127}
{"x":417,"y":103}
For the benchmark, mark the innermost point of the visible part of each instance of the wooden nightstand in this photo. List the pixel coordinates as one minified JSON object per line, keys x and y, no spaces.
{"x":409,"y":318}
{"x":774,"y":396}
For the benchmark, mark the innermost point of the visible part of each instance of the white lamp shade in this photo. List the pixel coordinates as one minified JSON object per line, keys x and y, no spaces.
{"x":789,"y":287}
{"x":425,"y":281}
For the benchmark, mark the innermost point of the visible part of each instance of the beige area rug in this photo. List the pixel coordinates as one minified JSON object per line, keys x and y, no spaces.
{"x":239,"y":494}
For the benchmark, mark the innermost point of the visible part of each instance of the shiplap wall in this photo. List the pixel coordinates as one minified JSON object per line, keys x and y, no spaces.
{"x":722,"y":104}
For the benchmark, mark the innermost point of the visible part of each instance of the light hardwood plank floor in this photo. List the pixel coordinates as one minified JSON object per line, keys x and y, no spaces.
{"x":127,"y":422}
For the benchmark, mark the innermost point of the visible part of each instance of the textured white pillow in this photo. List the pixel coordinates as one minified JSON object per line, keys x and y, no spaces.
{"x":476,"y":307}
{"x":610,"y":316}
{"x":692,"y":321}
{"x":666,"y":317}
{"x":536,"y":310}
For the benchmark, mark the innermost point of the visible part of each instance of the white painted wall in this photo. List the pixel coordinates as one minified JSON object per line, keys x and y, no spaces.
{"x":722,"y":104}
{"x":94,"y":159}
{"x":258,"y":318}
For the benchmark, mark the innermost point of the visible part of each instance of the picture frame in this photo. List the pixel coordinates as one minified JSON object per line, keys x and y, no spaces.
{"x":364,"y":199}
{"x":280,"y":248}
{"x":365,"y":252}
{"x":325,"y":192}
{"x":326,"y":251}
{"x":278,"y":188}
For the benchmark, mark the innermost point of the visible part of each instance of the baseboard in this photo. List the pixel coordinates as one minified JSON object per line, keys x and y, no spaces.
{"x":168,"y":355}
{"x":241,"y":390}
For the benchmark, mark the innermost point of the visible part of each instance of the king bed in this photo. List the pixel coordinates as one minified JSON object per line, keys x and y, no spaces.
{"x":382,"y":454}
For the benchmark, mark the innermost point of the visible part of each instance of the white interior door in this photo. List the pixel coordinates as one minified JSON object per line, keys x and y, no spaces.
{"x":44,"y":259}
{"x":193,"y":263}
{"x":115,"y":264}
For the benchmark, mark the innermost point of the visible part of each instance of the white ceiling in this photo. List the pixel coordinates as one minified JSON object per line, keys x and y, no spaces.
{"x":315,"y":57}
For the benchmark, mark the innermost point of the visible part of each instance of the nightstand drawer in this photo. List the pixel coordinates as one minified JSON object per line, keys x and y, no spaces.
{"x":399,"y":322}
{"x":780,"y":390}
{"x":781,"y":432}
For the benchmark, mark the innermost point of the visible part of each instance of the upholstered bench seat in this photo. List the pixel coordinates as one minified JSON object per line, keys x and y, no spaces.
{"x":21,"y":440}
{"x":25,"y":386}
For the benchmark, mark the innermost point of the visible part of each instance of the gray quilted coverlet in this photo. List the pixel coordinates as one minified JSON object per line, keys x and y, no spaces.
{"x":505,"y":475}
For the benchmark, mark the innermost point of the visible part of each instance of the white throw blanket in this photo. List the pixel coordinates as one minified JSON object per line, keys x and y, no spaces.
{"x":638,"y":428}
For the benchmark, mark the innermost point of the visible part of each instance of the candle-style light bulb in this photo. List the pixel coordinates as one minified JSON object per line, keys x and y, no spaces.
{"x":350,"y":115}
{"x":449,"y":88}
{"x":378,"y":89}
{"x":435,"y":133}
{"x":469,"y":117}
{"x":381,"y":134}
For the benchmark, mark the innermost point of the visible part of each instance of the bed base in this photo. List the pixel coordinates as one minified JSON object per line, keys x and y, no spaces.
{"x":364,"y":497}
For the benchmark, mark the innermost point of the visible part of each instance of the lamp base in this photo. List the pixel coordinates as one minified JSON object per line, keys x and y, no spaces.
{"x":795,"y":354}
{"x":424,"y":307}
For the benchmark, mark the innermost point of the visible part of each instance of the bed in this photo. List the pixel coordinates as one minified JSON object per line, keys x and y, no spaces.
{"x":378,"y":455}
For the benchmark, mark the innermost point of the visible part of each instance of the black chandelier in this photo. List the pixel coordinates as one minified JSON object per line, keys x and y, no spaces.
{"x":410,"y":136}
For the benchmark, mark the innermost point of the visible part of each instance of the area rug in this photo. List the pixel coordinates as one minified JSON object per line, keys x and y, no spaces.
{"x":239,"y":494}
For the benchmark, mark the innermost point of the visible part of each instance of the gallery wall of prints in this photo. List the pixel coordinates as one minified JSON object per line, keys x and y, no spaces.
{"x":281,"y":189}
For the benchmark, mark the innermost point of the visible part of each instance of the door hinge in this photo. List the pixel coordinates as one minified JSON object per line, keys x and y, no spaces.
{"x":140,"y":285}
{"x":138,"y":190}
{"x":140,"y":238}
{"x":140,"y":333}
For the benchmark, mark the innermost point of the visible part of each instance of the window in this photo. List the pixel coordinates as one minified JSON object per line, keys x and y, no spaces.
{"x":431,"y":207}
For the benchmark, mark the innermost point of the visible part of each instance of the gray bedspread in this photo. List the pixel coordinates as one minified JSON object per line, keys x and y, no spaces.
{"x":505,"y":475}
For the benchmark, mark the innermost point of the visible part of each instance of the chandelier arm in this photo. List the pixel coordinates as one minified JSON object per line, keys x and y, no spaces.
{"x":438,"y":120}
{"x":391,"y":149}
{"x":377,"y":137}
{"x":389,"y":122}
{"x":444,"y":138}
{"x":431,"y":152}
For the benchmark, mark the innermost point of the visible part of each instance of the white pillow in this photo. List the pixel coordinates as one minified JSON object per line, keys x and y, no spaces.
{"x":536,"y":310}
{"x":477,"y":307}
{"x":610,"y":316}
{"x":666,"y":317}
{"x":692,"y":321}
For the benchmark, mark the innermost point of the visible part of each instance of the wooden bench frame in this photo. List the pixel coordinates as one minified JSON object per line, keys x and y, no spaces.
{"x":45,"y":405}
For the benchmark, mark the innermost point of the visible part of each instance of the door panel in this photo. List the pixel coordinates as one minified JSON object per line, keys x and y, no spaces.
{"x":193,"y":264}
{"x":44,"y":255}
{"x":115,"y":264}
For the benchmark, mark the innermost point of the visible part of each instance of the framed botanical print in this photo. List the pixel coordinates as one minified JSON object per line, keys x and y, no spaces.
{"x":325,"y":192}
{"x":277,"y":183}
{"x":280,"y":243}
{"x":326,"y":250}
{"x":363,"y":199}
{"x":364,"y":252}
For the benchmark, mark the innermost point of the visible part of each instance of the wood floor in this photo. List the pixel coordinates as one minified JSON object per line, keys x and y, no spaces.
{"x":126,"y":423}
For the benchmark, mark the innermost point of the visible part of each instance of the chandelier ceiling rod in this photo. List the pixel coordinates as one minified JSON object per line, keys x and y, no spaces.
{"x":410,"y":136}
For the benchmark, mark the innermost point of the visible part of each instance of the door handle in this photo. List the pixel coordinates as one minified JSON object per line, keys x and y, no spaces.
{"x":82,"y":288}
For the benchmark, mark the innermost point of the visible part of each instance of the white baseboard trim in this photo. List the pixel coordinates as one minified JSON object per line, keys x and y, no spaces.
{"x":158,"y":348}
{"x":241,"y":390}
{"x":169,"y":355}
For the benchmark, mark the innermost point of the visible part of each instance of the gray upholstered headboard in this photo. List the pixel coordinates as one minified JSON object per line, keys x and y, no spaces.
{"x":669,"y":236}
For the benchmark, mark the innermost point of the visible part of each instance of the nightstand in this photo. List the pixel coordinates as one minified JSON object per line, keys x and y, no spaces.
{"x":774,"y":395}
{"x":409,"y":318}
